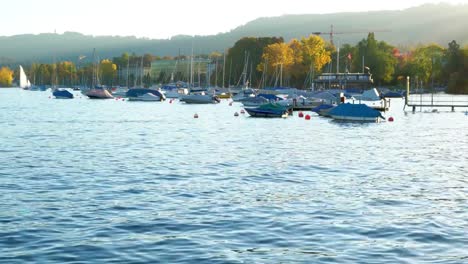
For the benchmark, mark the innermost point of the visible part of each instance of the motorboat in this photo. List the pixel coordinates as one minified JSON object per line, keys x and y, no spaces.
{"x":147,"y":97}
{"x":135,"y":94}
{"x":355,"y":112}
{"x":269,"y":110}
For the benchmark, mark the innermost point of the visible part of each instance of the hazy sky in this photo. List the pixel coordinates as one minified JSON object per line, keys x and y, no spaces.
{"x":166,"y":18}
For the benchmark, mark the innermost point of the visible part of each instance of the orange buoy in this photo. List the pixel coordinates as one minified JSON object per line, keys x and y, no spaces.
{"x":195,"y":116}
{"x":307,"y":117}
{"x":390,"y":119}
{"x":301,"y":115}
{"x":242,"y":111}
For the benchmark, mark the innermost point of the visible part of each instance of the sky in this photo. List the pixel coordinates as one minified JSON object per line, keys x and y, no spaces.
{"x":163,"y":19}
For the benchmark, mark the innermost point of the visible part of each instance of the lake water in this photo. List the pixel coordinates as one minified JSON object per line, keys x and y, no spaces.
{"x":85,"y":181}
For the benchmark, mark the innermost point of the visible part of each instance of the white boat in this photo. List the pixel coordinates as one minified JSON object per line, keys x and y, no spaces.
{"x":370,"y":98}
{"x":201,"y":98}
{"x":147,"y":97}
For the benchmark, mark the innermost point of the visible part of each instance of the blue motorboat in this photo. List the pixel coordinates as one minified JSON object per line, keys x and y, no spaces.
{"x":355,"y":112}
{"x":269,"y":110}
{"x":62,"y":94}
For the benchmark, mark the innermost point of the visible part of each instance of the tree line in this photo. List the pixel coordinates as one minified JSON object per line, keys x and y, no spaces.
{"x":270,"y":61}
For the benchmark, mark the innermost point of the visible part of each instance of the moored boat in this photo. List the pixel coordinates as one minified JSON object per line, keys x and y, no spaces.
{"x":269,"y":110}
{"x":199,"y":98}
{"x":147,"y":97}
{"x":141,"y":94}
{"x":62,"y":94}
{"x":98,"y":92}
{"x":355,"y":112}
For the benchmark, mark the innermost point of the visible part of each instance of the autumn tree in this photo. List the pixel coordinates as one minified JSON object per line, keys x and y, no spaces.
{"x":293,"y":61}
{"x":246,"y":54}
{"x":278,"y":57}
{"x":6,"y":77}
{"x":108,"y":72}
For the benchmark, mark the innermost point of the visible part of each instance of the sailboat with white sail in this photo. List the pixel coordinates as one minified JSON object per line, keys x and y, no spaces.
{"x":24,"y":82}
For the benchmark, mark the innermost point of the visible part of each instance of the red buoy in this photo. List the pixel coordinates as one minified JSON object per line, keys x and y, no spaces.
{"x":301,"y":115}
{"x":390,"y":119}
{"x":307,"y":117}
{"x":195,"y":116}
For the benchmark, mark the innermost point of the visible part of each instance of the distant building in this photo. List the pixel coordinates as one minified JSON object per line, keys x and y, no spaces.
{"x":343,"y":81}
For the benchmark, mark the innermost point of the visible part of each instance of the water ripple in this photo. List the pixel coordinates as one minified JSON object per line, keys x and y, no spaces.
{"x":113,"y":182}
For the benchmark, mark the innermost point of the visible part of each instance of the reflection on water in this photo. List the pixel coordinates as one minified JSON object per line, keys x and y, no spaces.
{"x":107,"y":181}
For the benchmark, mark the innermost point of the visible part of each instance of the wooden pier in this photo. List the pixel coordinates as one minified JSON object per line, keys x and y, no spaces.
{"x":432,"y":100}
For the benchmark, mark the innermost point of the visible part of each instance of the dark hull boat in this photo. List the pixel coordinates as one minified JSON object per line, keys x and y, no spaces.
{"x":269,"y":110}
{"x":62,"y":94}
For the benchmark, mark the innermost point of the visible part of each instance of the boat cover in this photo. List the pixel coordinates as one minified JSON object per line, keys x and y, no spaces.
{"x":321,"y":107}
{"x":354,"y":110}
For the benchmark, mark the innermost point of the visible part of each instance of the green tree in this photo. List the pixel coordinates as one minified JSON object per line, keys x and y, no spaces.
{"x":378,"y":57}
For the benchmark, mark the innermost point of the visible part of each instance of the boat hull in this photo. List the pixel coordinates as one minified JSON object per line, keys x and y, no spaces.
{"x":356,"y":118}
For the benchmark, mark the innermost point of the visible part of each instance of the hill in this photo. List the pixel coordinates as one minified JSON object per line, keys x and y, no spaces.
{"x":439,"y":23}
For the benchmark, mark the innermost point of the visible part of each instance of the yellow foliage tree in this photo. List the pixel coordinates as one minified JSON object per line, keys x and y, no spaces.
{"x":108,"y":71}
{"x":297,"y":58}
{"x":278,"y":56}
{"x":315,"y":53}
{"x":6,"y":77}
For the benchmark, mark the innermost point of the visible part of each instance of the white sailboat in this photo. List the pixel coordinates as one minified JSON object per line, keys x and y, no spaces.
{"x":24,"y":83}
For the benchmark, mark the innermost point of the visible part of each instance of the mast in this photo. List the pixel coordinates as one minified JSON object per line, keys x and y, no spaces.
{"x":128,"y":66}
{"x":224,"y":66}
{"x":94,"y":70}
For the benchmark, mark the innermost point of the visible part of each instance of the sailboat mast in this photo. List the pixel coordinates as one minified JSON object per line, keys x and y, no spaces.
{"x":128,"y":66}
{"x":224,"y":66}
{"x":94,"y":82}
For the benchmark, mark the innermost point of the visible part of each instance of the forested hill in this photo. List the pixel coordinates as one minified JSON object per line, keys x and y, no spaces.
{"x":424,"y":24}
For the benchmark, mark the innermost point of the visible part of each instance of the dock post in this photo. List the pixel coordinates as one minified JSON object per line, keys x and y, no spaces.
{"x":414,"y":108}
{"x":453,"y":108}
